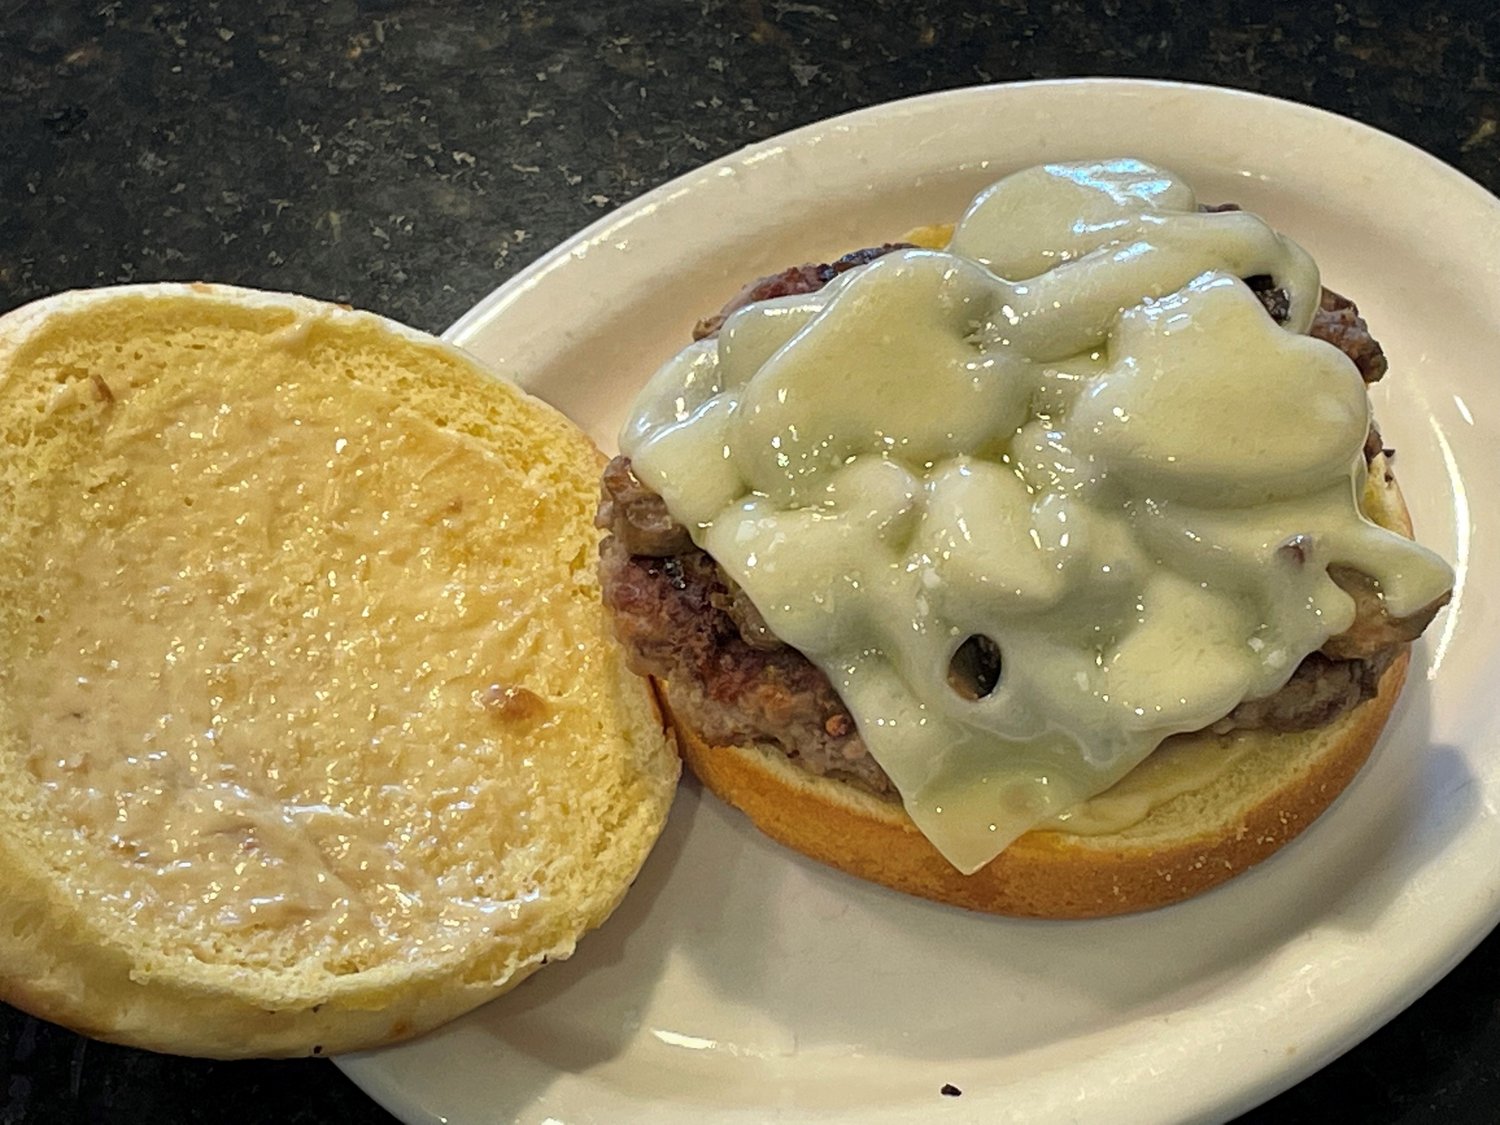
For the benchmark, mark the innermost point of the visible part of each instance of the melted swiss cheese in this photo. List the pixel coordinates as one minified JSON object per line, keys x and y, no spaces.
{"x":1076,"y":432}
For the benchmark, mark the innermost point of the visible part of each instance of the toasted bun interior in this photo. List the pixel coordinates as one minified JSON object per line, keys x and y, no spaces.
{"x":1273,"y":788}
{"x":312,"y":733}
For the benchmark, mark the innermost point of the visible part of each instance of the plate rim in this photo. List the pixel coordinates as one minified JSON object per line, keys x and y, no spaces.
{"x":472,"y":321}
{"x":1333,"y":1040}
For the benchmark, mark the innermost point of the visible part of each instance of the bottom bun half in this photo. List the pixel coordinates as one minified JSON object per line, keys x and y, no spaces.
{"x":1273,"y":786}
{"x":1190,"y":843}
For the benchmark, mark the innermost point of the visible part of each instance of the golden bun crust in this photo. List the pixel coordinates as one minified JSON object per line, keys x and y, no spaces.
{"x":1278,"y":785}
{"x":429,"y":771}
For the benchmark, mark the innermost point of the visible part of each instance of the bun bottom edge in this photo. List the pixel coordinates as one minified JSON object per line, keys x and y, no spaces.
{"x":1046,"y":874}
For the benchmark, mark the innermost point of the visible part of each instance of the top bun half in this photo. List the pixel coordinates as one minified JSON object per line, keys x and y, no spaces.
{"x":312,"y":732}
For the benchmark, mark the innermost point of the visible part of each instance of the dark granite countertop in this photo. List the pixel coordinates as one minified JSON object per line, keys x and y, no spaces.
{"x":409,"y":155}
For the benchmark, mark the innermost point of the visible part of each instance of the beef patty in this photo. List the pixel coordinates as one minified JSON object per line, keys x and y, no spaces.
{"x":682,"y":620}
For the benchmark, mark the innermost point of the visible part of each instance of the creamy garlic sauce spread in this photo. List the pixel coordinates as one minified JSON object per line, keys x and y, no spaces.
{"x":1075,"y":432}
{"x":274,"y":609}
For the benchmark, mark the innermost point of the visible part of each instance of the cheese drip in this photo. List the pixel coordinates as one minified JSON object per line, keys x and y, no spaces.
{"x":1075,"y":432}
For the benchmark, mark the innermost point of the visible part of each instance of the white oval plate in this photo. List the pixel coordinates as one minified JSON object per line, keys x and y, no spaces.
{"x":740,"y":983}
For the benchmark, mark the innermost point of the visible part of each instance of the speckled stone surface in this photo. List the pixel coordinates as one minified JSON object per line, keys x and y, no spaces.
{"x":409,"y":156}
